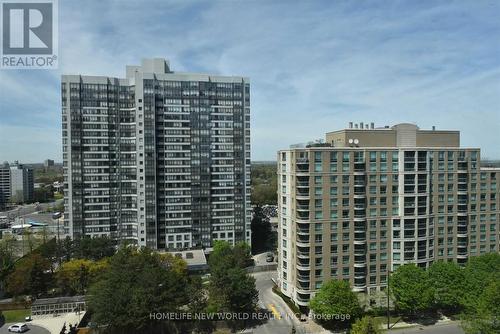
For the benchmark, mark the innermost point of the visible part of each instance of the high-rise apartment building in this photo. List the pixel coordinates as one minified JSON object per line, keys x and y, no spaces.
{"x":4,"y":185}
{"x":160,"y":158}
{"x":16,"y":184}
{"x":367,"y":200}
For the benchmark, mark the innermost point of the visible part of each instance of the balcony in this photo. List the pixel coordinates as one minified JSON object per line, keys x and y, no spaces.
{"x":462,"y":166}
{"x":302,"y":241}
{"x":360,"y":228}
{"x":302,"y":184}
{"x":303,"y":231}
{"x":360,"y":263}
{"x":302,"y":215}
{"x":303,"y":193}
{"x":359,"y":192}
{"x":303,"y":286}
{"x":359,"y":167}
{"x":462,"y":209}
{"x":303,"y":254}
{"x":302,"y":166}
{"x":360,"y":213}
{"x":359,"y":284}
{"x":302,"y":299}
{"x":302,"y":207}
{"x":303,"y":278}
{"x":303,"y":266}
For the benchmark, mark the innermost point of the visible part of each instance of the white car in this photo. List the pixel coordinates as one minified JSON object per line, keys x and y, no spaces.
{"x":18,"y":328}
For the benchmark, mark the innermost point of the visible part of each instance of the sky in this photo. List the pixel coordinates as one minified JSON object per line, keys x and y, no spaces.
{"x":314,"y":66}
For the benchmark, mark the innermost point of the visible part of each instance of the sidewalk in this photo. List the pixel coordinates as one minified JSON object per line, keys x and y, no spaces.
{"x":402,"y":324}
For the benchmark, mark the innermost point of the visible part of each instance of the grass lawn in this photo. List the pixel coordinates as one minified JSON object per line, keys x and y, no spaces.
{"x":16,"y":315}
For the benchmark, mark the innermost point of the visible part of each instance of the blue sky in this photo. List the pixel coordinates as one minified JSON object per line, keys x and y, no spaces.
{"x":314,"y":65}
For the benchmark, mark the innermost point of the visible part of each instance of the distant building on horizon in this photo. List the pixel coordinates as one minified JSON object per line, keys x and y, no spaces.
{"x":368,"y":200}
{"x":48,"y":163}
{"x":159,"y":158}
{"x":16,"y":184}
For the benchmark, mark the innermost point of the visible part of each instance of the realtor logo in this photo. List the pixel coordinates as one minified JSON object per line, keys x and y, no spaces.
{"x":29,"y":34}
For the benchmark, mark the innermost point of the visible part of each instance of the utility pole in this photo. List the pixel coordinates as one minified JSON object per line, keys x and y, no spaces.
{"x":388,"y":294}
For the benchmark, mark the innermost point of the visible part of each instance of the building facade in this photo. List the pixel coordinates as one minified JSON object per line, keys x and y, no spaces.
{"x":4,"y":185}
{"x":16,"y":184}
{"x":368,"y":200}
{"x":160,"y":158}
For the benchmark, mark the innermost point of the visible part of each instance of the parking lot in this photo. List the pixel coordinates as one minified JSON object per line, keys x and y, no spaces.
{"x":32,"y":329}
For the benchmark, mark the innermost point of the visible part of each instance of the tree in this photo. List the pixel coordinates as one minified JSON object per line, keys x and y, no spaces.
{"x":411,"y":289}
{"x":264,"y":184}
{"x":479,"y":272}
{"x":242,"y":255}
{"x":65,"y":247}
{"x":6,"y":261}
{"x":75,"y":276}
{"x":31,"y":276}
{"x":174,"y":263}
{"x":447,"y":278}
{"x":226,"y":256}
{"x":261,"y":231}
{"x":264,"y":194}
{"x":197,"y":304}
{"x":136,"y":285}
{"x":334,"y":299}
{"x":231,"y":288}
{"x":44,"y":194}
{"x":486,"y":318}
{"x":365,"y":325}
{"x":93,"y":248}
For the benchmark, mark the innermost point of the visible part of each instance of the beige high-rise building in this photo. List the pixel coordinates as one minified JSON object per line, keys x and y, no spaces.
{"x":368,"y":200}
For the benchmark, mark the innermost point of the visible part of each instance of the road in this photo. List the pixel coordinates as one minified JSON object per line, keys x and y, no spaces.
{"x":27,"y":209}
{"x":449,"y":328}
{"x":282,"y":319}
{"x":280,"y":322}
{"x":32,"y":329}
{"x":260,"y":259}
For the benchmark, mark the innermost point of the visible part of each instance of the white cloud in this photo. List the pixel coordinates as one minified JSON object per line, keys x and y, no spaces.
{"x":314,"y":66}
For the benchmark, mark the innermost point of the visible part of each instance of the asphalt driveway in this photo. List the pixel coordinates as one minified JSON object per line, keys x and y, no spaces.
{"x":32,"y":329}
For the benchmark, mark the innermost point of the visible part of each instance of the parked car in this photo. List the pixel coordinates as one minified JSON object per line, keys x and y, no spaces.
{"x":18,"y":328}
{"x":269,"y":257}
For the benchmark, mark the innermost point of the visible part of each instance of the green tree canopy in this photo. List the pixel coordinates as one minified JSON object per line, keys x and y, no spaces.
{"x":7,"y":260}
{"x":75,"y":276}
{"x":262,"y":236}
{"x":366,"y":325}
{"x":411,"y":289}
{"x":479,"y":272}
{"x":136,"y":284}
{"x":93,"y":248}
{"x":447,"y":279}
{"x":264,"y":184}
{"x":231,"y":288}
{"x":31,"y":276}
{"x":226,"y":256}
{"x":485,"y":319}
{"x":335,"y":298}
